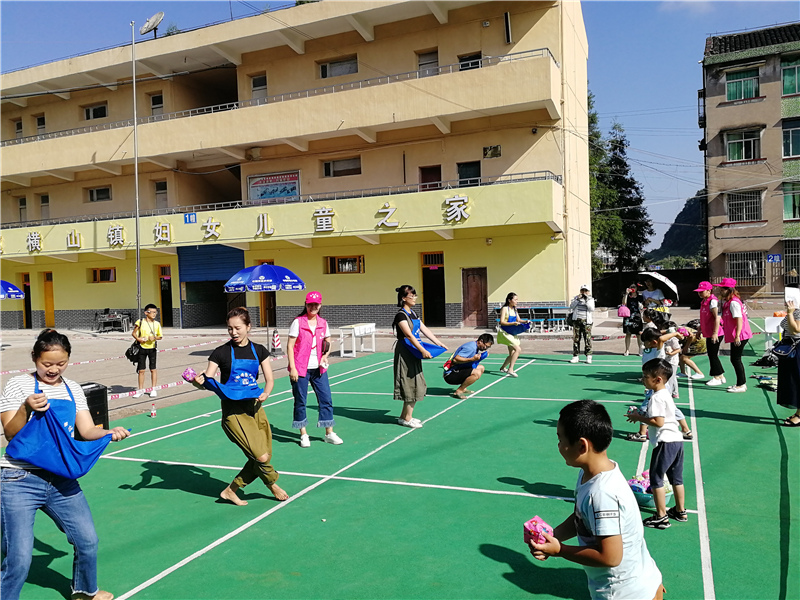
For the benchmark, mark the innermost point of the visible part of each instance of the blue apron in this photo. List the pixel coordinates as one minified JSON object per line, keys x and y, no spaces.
{"x":46,"y":441}
{"x":432,"y":348}
{"x":242,"y":383}
{"x":515,"y":329}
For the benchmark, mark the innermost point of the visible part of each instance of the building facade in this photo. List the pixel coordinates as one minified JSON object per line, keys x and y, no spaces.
{"x":750,"y":112}
{"x":363,"y":145}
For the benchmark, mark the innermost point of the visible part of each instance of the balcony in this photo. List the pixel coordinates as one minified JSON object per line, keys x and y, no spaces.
{"x":365,"y":107}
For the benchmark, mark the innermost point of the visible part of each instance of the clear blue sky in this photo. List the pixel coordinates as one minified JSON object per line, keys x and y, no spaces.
{"x":643,"y":65}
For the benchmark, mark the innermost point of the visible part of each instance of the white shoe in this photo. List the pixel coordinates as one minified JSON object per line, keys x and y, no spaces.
{"x":588,"y":360}
{"x":413,"y":423}
{"x":138,"y":394}
{"x":305,"y":442}
{"x":573,"y":360}
{"x":737,"y":389}
{"x":698,"y":376}
{"x":713,"y":382}
{"x":332,"y":438}
{"x":153,"y":393}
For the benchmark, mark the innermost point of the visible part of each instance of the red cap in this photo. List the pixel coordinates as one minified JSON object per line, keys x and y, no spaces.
{"x":313,"y":298}
{"x":704,"y":286}
{"x":728,"y":282}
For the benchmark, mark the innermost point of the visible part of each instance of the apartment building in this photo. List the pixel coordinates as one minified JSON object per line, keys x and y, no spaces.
{"x":749,"y":109}
{"x":363,"y":145}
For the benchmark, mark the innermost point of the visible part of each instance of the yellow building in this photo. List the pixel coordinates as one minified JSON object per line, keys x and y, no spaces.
{"x":363,"y":145}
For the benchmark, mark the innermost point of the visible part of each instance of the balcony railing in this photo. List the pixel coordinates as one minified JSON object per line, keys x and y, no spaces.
{"x":321,"y":197}
{"x":328,"y":89}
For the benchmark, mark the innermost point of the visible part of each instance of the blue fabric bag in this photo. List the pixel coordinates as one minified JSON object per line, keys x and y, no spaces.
{"x":46,"y":441}
{"x":432,"y":348}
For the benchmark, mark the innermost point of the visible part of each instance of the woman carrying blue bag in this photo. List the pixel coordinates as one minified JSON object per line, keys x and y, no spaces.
{"x":39,"y":412}
{"x":508,"y":334}
{"x":409,"y":381}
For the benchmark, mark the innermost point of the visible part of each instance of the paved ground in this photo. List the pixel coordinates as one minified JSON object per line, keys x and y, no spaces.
{"x":119,"y":376}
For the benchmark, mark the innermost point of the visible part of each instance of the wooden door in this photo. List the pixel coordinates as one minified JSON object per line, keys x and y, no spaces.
{"x":49,"y":306}
{"x":267,"y":303}
{"x":475,"y":312}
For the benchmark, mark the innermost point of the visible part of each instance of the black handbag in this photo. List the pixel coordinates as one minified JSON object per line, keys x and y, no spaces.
{"x":786,"y":348}
{"x":132,"y":353}
{"x":570,"y":320}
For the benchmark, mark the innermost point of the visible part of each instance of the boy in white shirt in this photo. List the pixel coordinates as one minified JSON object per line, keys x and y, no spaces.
{"x":611,"y":546}
{"x":665,"y":435}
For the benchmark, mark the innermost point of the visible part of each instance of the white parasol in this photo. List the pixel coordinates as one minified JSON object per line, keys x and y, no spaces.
{"x":662,"y":279}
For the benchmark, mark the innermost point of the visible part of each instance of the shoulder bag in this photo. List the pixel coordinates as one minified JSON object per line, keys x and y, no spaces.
{"x":787,"y":347}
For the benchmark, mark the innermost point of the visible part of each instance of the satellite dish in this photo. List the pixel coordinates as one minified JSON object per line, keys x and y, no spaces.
{"x":152,"y":23}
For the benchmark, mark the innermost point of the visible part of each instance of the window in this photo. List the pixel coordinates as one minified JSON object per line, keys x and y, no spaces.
{"x":747,"y":268}
{"x":469,"y":61}
{"x":791,"y":261}
{"x":791,"y":200}
{"x":157,"y":104}
{"x":40,"y":124}
{"x":162,"y":200}
{"x":23,"y":209}
{"x":790,"y":69}
{"x":44,"y":207}
{"x":742,"y":85}
{"x":340,"y":168}
{"x":17,"y":128}
{"x":469,"y":173}
{"x":430,"y":178}
{"x":103,"y":275}
{"x":743,"y":146}
{"x":344,"y":66}
{"x":744,"y":206}
{"x":335,"y":265}
{"x":99,"y":194}
{"x":428,"y":63}
{"x":791,"y":143}
{"x":96,"y":111}
{"x":258,"y":85}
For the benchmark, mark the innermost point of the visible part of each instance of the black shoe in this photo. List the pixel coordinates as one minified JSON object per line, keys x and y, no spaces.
{"x":657,"y":522}
{"x":677,"y":515}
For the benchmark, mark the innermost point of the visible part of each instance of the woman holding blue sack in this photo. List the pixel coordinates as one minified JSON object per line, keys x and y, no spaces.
{"x":39,"y":412}
{"x":243,"y":420}
{"x":409,"y":381}
{"x":508,"y":334}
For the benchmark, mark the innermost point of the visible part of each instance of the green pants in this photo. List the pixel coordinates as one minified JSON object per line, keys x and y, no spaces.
{"x":581,"y":329}
{"x":249,"y":429}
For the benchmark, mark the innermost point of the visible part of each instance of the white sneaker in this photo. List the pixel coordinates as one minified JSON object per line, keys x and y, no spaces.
{"x":416,"y":420}
{"x":573,"y":360}
{"x":413,"y":423}
{"x":737,"y":389}
{"x":153,"y":393}
{"x":332,"y":438}
{"x":138,"y":394}
{"x":588,"y":360}
{"x":713,"y":382}
{"x":697,"y":376}
{"x":305,"y":442}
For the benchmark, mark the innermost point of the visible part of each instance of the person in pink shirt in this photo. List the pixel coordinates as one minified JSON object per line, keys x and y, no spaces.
{"x":711,"y":330}
{"x":736,"y":328}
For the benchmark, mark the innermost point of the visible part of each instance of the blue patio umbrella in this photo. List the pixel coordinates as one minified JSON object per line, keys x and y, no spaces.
{"x":9,"y":290}
{"x":264,"y":278}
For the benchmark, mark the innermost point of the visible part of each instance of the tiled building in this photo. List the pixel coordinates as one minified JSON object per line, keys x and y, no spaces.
{"x":363,"y":145}
{"x":750,"y":113}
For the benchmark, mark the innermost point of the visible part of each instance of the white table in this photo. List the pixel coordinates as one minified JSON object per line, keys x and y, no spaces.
{"x":360,"y":331}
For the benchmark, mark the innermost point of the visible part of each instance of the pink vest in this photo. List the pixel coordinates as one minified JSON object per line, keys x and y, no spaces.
{"x":729,"y":323}
{"x":302,"y":346}
{"x":707,"y":318}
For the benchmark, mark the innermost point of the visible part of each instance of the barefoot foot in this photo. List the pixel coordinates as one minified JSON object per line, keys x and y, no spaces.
{"x":229,"y":495}
{"x":278,"y":492}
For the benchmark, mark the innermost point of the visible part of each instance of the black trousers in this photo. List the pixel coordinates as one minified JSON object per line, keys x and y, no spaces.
{"x":736,"y":361}
{"x":713,"y":357}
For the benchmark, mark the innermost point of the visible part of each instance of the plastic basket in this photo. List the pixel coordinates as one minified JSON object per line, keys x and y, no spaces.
{"x":647,"y":501}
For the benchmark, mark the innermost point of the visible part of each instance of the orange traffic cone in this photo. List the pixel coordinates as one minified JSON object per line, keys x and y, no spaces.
{"x":275,"y":346}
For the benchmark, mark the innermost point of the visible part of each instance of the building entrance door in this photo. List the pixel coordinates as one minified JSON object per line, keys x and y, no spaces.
{"x":27,"y":312}
{"x":267,"y":303}
{"x":49,"y":307}
{"x":165,"y":285}
{"x":474,"y":309}
{"x":433,"y":300}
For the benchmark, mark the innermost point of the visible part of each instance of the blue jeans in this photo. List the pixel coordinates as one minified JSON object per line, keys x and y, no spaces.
{"x":319,"y":382}
{"x":61,"y":499}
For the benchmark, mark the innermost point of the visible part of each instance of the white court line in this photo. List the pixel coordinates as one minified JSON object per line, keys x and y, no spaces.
{"x":291,"y":499}
{"x":263,"y":406}
{"x":702,"y":521}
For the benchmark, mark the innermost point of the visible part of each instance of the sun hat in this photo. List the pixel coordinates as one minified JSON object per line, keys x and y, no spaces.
{"x":728,"y":282}
{"x":704,"y":286}
{"x":313,"y":298}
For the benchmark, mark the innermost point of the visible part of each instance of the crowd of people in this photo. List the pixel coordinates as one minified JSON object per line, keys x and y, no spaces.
{"x":39,"y":405}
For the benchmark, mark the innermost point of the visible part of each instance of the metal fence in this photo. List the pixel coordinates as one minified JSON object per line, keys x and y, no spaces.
{"x":747,"y":268}
{"x":321,"y":197}
{"x":320,"y":91}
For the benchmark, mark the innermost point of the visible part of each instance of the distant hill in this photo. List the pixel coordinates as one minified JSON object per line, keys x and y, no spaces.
{"x":681,"y":240}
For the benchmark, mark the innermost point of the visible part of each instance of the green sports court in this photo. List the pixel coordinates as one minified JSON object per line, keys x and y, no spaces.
{"x":435,"y":512}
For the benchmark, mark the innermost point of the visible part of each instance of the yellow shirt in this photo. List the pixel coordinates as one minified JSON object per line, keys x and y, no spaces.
{"x":146,"y":329}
